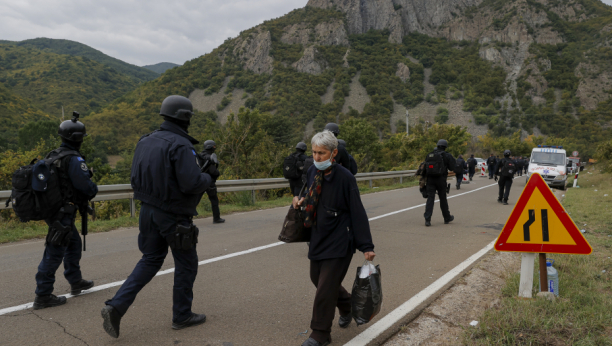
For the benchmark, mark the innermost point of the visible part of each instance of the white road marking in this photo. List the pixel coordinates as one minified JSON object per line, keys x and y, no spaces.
{"x":211,"y":260}
{"x":400,"y":312}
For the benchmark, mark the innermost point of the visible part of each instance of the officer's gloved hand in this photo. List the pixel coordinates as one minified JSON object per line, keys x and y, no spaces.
{"x":496,"y":179}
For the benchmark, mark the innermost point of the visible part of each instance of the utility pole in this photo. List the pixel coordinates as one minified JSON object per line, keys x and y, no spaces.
{"x":407,"y":123}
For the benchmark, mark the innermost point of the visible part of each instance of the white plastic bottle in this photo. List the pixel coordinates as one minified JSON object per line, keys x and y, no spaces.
{"x":552,"y":277}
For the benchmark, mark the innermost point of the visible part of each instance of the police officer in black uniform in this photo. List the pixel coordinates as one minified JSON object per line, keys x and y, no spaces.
{"x":491,"y":162}
{"x":460,"y":167}
{"x":77,"y":189}
{"x":300,"y":154}
{"x":168,"y":181}
{"x":471,"y":162}
{"x":505,"y":182}
{"x":520,"y":163}
{"x":343,"y":156}
{"x":209,"y":163}
{"x":438,"y":183}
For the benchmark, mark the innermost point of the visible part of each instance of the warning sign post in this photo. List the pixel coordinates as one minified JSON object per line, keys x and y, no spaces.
{"x":539,"y":224}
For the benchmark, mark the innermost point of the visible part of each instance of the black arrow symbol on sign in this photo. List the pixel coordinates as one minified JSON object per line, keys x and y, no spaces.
{"x":528,"y":224}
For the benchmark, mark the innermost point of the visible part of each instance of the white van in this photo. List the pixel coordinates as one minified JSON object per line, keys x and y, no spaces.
{"x":551,"y":163}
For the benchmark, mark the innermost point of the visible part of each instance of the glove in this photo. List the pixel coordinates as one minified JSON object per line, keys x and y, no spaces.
{"x":496,"y":179}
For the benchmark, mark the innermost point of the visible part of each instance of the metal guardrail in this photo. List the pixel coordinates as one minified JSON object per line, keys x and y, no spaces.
{"x":124,"y":191}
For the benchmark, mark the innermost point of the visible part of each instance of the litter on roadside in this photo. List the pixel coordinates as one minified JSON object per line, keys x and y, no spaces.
{"x":583,"y":230}
{"x":474,"y":323}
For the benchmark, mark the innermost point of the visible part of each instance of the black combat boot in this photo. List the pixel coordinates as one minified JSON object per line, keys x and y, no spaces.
{"x":194,"y":320}
{"x":427,"y":223}
{"x":219,"y":220}
{"x":81,"y":286}
{"x":112,"y":320}
{"x":41,"y":302}
{"x":505,"y":202}
{"x":446,"y":222}
{"x":499,"y":200}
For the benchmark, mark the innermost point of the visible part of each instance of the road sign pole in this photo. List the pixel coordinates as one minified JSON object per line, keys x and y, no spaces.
{"x":526,"y":284}
{"x":543,"y":274}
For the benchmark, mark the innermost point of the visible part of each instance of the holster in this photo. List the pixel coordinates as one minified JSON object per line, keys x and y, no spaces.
{"x":59,"y":235}
{"x":184,"y":238}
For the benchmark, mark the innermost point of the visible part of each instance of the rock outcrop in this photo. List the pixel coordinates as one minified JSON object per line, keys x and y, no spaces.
{"x":400,"y":17}
{"x":254,"y":51}
{"x":309,"y":62}
{"x":328,"y":34}
{"x":403,"y":72}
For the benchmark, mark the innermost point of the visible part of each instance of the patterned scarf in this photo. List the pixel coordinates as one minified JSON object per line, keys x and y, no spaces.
{"x":312,"y":197}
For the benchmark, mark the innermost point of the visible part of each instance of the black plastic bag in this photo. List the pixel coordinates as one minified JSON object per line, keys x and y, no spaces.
{"x":367,"y":297}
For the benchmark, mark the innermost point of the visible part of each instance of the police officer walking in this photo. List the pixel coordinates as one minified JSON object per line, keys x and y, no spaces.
{"x":297,"y":160}
{"x":167,"y":180}
{"x":471,"y":162}
{"x":491,"y":162}
{"x":520,"y":163}
{"x":343,"y":157}
{"x":460,"y":168}
{"x":63,"y":243}
{"x":209,"y":163}
{"x":438,"y":164}
{"x":504,"y":172}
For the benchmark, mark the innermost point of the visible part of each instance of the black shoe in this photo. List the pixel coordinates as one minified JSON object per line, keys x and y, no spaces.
{"x":219,"y":220}
{"x":458,"y":187}
{"x":345,"y":320}
{"x":446,"y":222}
{"x":194,"y":320}
{"x":41,"y":302}
{"x":427,"y":223}
{"x":505,"y":203}
{"x":81,"y":286}
{"x":313,"y":342}
{"x":112,"y":319}
{"x":499,"y":200}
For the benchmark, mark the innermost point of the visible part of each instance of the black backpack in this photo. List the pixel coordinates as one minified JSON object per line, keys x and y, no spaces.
{"x":307,"y":164}
{"x":290,"y":167}
{"x":508,"y":169}
{"x":353,"y":168}
{"x":435,"y":164}
{"x":29,"y":204}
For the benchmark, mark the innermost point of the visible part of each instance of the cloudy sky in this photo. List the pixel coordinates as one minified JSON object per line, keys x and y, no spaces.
{"x":140,"y":32}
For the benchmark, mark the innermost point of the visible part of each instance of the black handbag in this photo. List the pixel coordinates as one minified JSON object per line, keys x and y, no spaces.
{"x":293,"y":227}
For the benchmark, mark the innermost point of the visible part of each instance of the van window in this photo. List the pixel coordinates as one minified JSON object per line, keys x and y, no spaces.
{"x":556,"y":159}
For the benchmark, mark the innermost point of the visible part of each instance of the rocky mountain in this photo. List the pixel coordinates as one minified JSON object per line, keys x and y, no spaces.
{"x":160,"y":67}
{"x":539,"y":66}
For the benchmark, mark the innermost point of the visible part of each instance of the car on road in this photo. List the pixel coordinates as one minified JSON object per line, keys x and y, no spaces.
{"x":551,"y":163}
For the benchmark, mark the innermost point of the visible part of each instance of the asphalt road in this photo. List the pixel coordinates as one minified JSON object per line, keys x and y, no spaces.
{"x":260,"y":298}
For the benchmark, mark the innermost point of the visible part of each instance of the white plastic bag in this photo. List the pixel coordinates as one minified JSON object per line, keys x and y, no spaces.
{"x":366,"y":270}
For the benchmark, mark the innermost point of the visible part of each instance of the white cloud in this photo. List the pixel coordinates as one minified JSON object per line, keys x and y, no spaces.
{"x":607,"y":2}
{"x":139,"y":32}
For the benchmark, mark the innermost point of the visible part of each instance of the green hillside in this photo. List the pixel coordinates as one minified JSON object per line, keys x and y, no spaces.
{"x":15,"y":112}
{"x":51,"y":80}
{"x":138,"y":74}
{"x":160,"y":67}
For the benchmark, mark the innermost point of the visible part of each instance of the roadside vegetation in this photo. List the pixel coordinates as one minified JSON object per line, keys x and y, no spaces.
{"x":582,"y":314}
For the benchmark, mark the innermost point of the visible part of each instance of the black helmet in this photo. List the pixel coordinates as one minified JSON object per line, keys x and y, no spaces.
{"x":301,"y":146}
{"x":177,"y":107}
{"x":442,"y":143}
{"x":72,"y":130}
{"x":333,"y":128}
{"x":210,"y":144}
{"x":342,"y":142}
{"x":507,"y":153}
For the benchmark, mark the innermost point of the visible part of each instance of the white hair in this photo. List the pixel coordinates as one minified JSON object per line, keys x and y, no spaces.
{"x":325,"y":139}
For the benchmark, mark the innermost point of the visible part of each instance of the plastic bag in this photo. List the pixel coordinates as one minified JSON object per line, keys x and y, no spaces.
{"x":367,"y":297}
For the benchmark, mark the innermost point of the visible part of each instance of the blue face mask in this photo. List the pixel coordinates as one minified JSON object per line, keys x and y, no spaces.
{"x":321,"y":166}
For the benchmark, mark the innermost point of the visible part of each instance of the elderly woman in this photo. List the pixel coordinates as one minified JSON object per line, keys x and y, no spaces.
{"x":339,"y":227}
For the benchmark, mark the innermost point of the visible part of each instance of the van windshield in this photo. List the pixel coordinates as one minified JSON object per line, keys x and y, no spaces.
{"x":556,"y":159}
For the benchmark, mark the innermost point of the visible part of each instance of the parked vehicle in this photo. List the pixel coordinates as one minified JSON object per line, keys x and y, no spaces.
{"x":551,"y":163}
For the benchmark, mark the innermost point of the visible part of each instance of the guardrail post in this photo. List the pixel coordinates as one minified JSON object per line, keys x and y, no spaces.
{"x":370,"y":183}
{"x":401,"y":180}
{"x":132,"y":207}
{"x":253,"y":196}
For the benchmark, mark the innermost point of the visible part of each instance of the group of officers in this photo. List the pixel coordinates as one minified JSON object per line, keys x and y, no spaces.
{"x":169,"y":177}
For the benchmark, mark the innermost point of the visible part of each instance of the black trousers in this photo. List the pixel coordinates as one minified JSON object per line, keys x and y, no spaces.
{"x":504,"y":187}
{"x":327,"y":276}
{"x":154,"y":247}
{"x":472,"y":171}
{"x":459,"y":179}
{"x":295,"y":185}
{"x":214,"y":201}
{"x":491,"y":169}
{"x":436,"y":184}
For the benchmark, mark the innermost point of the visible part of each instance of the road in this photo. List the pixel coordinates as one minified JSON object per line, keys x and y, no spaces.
{"x":263,"y":297}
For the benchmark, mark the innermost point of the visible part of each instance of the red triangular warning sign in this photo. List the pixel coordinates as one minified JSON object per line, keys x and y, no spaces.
{"x":540,"y":224}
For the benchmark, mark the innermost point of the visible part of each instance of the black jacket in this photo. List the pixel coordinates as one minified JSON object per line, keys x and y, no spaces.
{"x":491,"y":161}
{"x":460,"y":166}
{"x":342,"y":222}
{"x":472,"y":162}
{"x":165,"y":173}
{"x":343,"y":157}
{"x":500,"y":165}
{"x":213,"y":168}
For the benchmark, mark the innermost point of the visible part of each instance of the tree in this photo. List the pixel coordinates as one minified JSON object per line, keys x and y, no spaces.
{"x":34,"y":131}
